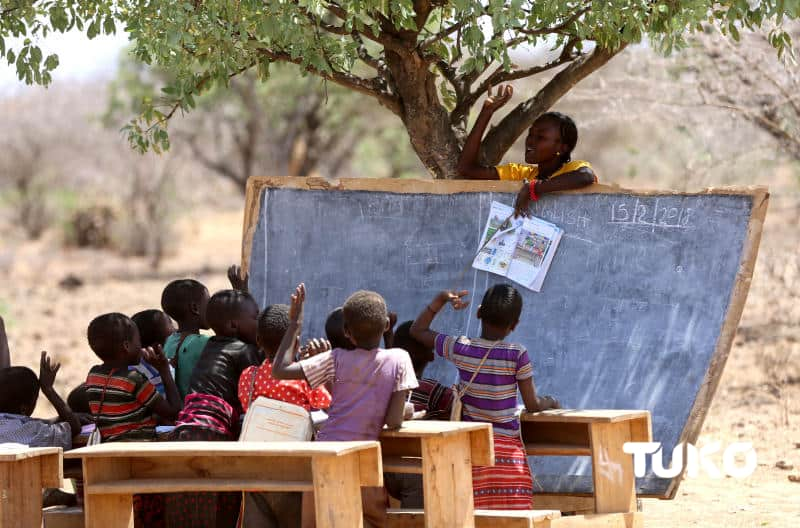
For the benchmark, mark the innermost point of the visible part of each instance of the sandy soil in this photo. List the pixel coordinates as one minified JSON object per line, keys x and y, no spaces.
{"x":757,"y":400}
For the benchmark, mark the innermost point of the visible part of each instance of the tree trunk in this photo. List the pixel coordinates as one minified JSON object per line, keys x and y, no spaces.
{"x":427,"y":121}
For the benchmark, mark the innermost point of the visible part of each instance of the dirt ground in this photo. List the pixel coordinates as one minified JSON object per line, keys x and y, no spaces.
{"x":757,"y":400}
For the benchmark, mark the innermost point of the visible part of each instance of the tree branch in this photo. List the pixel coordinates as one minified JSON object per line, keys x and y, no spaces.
{"x":348,"y":80}
{"x":500,"y":138}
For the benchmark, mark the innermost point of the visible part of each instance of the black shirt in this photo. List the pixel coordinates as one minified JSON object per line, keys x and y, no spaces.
{"x":220,"y":365}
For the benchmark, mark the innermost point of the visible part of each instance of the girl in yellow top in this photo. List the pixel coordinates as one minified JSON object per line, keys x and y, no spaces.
{"x":548,"y":148}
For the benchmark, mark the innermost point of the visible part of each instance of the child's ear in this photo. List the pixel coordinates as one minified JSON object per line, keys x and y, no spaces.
{"x":513,"y":326}
{"x":387,"y":326}
{"x":478,"y":313}
{"x":347,"y":335}
{"x":194,"y":308}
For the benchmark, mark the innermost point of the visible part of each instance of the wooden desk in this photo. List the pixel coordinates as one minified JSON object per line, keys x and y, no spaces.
{"x":24,"y":472}
{"x":335,"y":471}
{"x":444,"y":453}
{"x":599,"y":434}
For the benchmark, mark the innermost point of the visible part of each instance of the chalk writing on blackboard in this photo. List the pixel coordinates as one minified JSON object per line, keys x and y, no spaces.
{"x":639,"y":213}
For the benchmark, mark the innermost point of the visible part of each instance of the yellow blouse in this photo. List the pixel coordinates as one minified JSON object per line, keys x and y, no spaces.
{"x":518,"y":171}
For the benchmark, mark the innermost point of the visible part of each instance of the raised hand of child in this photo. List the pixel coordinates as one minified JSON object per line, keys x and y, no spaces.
{"x":499,"y":98}
{"x":296,"y":304}
{"x":237,"y":280}
{"x":47,"y":371}
{"x":455,"y":298}
{"x":314,"y":347}
{"x":156,"y":357}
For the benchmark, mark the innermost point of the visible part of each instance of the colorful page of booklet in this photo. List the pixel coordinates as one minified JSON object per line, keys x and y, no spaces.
{"x":518,"y":248}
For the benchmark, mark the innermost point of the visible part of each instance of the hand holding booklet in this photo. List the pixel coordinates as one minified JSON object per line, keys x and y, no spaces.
{"x":518,"y":248}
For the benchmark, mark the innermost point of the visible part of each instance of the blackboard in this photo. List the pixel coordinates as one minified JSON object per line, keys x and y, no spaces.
{"x":638,"y":310}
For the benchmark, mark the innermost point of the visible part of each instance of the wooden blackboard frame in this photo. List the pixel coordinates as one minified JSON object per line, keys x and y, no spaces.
{"x":744,"y":275}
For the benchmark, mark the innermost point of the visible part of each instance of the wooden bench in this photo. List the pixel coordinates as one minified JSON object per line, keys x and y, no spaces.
{"x":335,"y":471}
{"x":524,"y":519}
{"x":599,"y":434}
{"x":444,"y":453}
{"x":24,"y":472}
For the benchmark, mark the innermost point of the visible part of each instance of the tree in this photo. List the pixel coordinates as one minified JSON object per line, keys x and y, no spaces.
{"x":427,"y":61}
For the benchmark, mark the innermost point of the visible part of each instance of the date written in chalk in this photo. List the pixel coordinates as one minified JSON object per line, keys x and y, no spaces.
{"x":651,"y":215}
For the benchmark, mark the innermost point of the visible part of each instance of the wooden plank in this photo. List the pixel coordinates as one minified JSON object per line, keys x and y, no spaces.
{"x":642,"y":429}
{"x":538,"y":449}
{"x":564,"y":503}
{"x":337,"y":491}
{"x":107,"y":511}
{"x":572,"y":437}
{"x":370,"y":467}
{"x":52,"y":470}
{"x":401,"y":464}
{"x":286,"y":468}
{"x":586,"y":416}
{"x":482,"y":446}
{"x":226,"y":449}
{"x":605,"y":520}
{"x":400,"y":518}
{"x":21,"y":453}
{"x":400,"y":447}
{"x":21,"y":492}
{"x":431,"y":428}
{"x":174,"y":485}
{"x":447,"y":482}
{"x":612,"y":469}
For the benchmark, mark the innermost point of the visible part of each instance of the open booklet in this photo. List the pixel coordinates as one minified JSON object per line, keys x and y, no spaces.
{"x":518,"y":248}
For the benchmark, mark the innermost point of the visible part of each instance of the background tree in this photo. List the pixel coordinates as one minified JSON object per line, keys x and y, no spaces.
{"x":426,"y":61}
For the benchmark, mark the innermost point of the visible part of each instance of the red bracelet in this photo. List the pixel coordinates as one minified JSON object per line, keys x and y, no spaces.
{"x":532,"y":190}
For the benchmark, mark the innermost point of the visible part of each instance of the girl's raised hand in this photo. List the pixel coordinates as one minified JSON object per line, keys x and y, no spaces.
{"x":455,"y":298}
{"x":47,"y":371}
{"x":296,"y":304}
{"x":155,"y":356}
{"x":499,"y":98}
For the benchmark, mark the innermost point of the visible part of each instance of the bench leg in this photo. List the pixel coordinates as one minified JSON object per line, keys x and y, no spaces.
{"x":337,"y":491}
{"x":612,"y":469}
{"x":21,"y":493}
{"x":447,"y":482}
{"x":108,"y":511}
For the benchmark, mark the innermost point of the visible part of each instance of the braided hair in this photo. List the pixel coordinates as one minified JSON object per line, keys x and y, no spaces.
{"x":501,"y":305}
{"x":568,"y":130}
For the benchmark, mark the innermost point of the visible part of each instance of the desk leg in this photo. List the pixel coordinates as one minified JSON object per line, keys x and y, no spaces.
{"x":447,"y":482}
{"x":21,"y":493}
{"x":106,"y":511}
{"x":612,"y":469}
{"x":337,"y":491}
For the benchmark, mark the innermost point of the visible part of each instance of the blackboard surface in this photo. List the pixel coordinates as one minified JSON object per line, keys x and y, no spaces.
{"x":635,"y":313}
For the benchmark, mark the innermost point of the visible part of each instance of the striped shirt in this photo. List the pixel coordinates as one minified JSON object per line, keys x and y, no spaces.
{"x":492,"y":397}
{"x":127,"y":410}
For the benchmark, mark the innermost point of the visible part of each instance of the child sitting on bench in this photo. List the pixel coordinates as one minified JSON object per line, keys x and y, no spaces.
{"x":370,"y":384}
{"x":492,"y":371}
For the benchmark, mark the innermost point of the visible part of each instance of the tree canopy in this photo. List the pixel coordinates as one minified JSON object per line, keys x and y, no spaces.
{"x":426,"y":61}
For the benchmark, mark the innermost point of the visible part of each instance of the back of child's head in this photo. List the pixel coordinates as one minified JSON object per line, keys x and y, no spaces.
{"x":179,"y":295}
{"x":78,"y":399}
{"x":568,"y":129}
{"x":273,"y":322}
{"x":108,"y":332}
{"x":19,"y":390}
{"x":334,"y":329}
{"x":420,"y":354}
{"x":227,"y":306}
{"x":154,"y":327}
{"x":365,"y":316}
{"x":501,"y":306}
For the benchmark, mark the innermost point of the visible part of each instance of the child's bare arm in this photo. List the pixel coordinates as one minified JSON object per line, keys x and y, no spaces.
{"x":468,"y":163}
{"x":283,"y":367}
{"x":396,"y":410}
{"x":170,"y":407}
{"x":5,"y":356}
{"x":571,"y":180}
{"x":420,"y":329}
{"x":47,"y":376}
{"x":534,"y":403}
